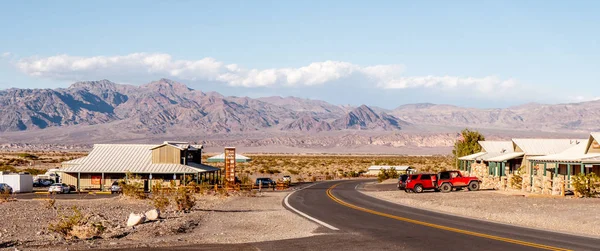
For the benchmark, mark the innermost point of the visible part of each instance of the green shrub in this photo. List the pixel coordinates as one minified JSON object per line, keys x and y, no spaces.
{"x":160,"y":197}
{"x":75,"y":224}
{"x":586,"y":185}
{"x":133,"y":187}
{"x":27,"y":156}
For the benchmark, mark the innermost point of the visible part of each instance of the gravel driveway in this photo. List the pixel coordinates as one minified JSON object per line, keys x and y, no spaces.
{"x":214,"y":219}
{"x":567,"y":215}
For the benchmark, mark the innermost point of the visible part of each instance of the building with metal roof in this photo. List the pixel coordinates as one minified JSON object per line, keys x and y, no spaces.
{"x":583,"y":157}
{"x":498,"y":155}
{"x":110,"y":162}
{"x":496,"y":146}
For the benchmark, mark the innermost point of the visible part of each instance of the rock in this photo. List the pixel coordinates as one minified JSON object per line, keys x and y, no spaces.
{"x":153,"y":214}
{"x":135,"y":219}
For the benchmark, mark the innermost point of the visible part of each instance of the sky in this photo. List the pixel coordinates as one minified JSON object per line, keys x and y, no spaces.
{"x":381,"y":53}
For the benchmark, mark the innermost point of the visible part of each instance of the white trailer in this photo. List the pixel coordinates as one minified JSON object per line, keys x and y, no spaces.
{"x":20,"y":183}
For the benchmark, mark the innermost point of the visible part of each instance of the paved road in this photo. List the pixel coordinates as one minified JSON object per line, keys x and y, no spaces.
{"x":366,"y":223}
{"x":412,"y":229}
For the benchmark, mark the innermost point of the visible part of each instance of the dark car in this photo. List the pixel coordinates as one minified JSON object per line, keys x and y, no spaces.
{"x":5,"y":188}
{"x":42,"y":183}
{"x":264,"y":182}
{"x":402,"y":181}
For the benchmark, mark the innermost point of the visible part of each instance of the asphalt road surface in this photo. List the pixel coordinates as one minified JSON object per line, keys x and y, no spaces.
{"x":354,"y":221}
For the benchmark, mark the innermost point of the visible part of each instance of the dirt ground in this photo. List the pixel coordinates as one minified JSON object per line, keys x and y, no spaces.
{"x":565,"y":214}
{"x":214,"y":219}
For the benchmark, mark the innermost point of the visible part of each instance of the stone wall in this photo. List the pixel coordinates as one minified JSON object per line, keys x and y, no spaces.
{"x":542,"y":184}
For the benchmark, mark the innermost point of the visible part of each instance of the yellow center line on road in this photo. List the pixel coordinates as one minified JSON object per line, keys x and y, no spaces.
{"x":451,"y":229}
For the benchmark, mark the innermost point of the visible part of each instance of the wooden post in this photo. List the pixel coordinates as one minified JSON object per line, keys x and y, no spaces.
{"x":568,"y":176}
{"x":545,"y":165}
{"x":102,"y":183}
{"x":531,"y":175}
{"x":78,"y":182}
{"x":556,"y":169}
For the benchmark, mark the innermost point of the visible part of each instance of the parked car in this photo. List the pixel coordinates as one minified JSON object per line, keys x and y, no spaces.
{"x":287,"y":179}
{"x":5,"y":188}
{"x":59,"y":188}
{"x":419,"y":182}
{"x":402,"y":181}
{"x":265,"y":182}
{"x":116,"y":188}
{"x":449,"y":180}
{"x":42,"y":183}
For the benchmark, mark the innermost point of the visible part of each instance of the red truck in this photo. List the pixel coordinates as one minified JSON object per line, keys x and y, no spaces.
{"x":443,"y":181}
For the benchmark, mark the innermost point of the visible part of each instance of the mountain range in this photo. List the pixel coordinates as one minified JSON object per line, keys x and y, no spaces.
{"x":169,"y":108}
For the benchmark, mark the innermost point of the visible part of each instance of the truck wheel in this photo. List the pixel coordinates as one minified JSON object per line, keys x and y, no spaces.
{"x":418,"y":189}
{"x":446,"y":188}
{"x":474,"y":186}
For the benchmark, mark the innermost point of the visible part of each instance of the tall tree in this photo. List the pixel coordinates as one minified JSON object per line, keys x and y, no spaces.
{"x":467,"y":144}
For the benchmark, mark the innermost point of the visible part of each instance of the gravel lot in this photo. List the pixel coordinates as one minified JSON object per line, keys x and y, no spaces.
{"x":214,"y":219}
{"x":573,"y":215}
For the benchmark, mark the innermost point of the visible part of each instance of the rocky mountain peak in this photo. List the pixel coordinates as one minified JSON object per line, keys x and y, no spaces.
{"x":103,"y":84}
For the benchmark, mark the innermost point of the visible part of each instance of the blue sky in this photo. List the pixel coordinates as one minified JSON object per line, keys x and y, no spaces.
{"x":384,"y":53}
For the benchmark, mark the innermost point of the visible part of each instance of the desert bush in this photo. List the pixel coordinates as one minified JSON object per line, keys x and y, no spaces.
{"x":133,"y":187}
{"x":8,"y":168}
{"x":328,"y":177}
{"x":293,"y":171}
{"x":387,"y":174}
{"x":586,"y":185}
{"x":50,"y":203}
{"x":75,"y":224}
{"x":313,"y":178}
{"x":5,"y":196}
{"x":516,"y":181}
{"x":184,"y":199}
{"x":160,"y":197}
{"x":34,"y":171}
{"x":27,"y":156}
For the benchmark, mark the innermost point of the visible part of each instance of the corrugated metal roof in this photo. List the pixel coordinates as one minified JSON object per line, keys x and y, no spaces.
{"x":505,"y":156}
{"x":472,"y":156}
{"x":397,"y":168}
{"x":75,"y":161}
{"x":545,"y":146}
{"x":121,"y":158}
{"x":497,"y":146}
{"x":222,"y":157}
{"x":573,"y":154}
{"x":488,"y":156}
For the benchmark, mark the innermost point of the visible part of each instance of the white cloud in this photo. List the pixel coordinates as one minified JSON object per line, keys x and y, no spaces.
{"x":578,"y":99}
{"x":6,"y":54}
{"x":138,"y":65}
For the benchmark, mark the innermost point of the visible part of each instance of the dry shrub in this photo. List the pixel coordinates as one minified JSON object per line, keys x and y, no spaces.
{"x":6,"y":196}
{"x":76,"y":225}
{"x":160,"y":197}
{"x":50,"y":203}
{"x":133,"y":187}
{"x":184,"y":199}
{"x":516,"y":181}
